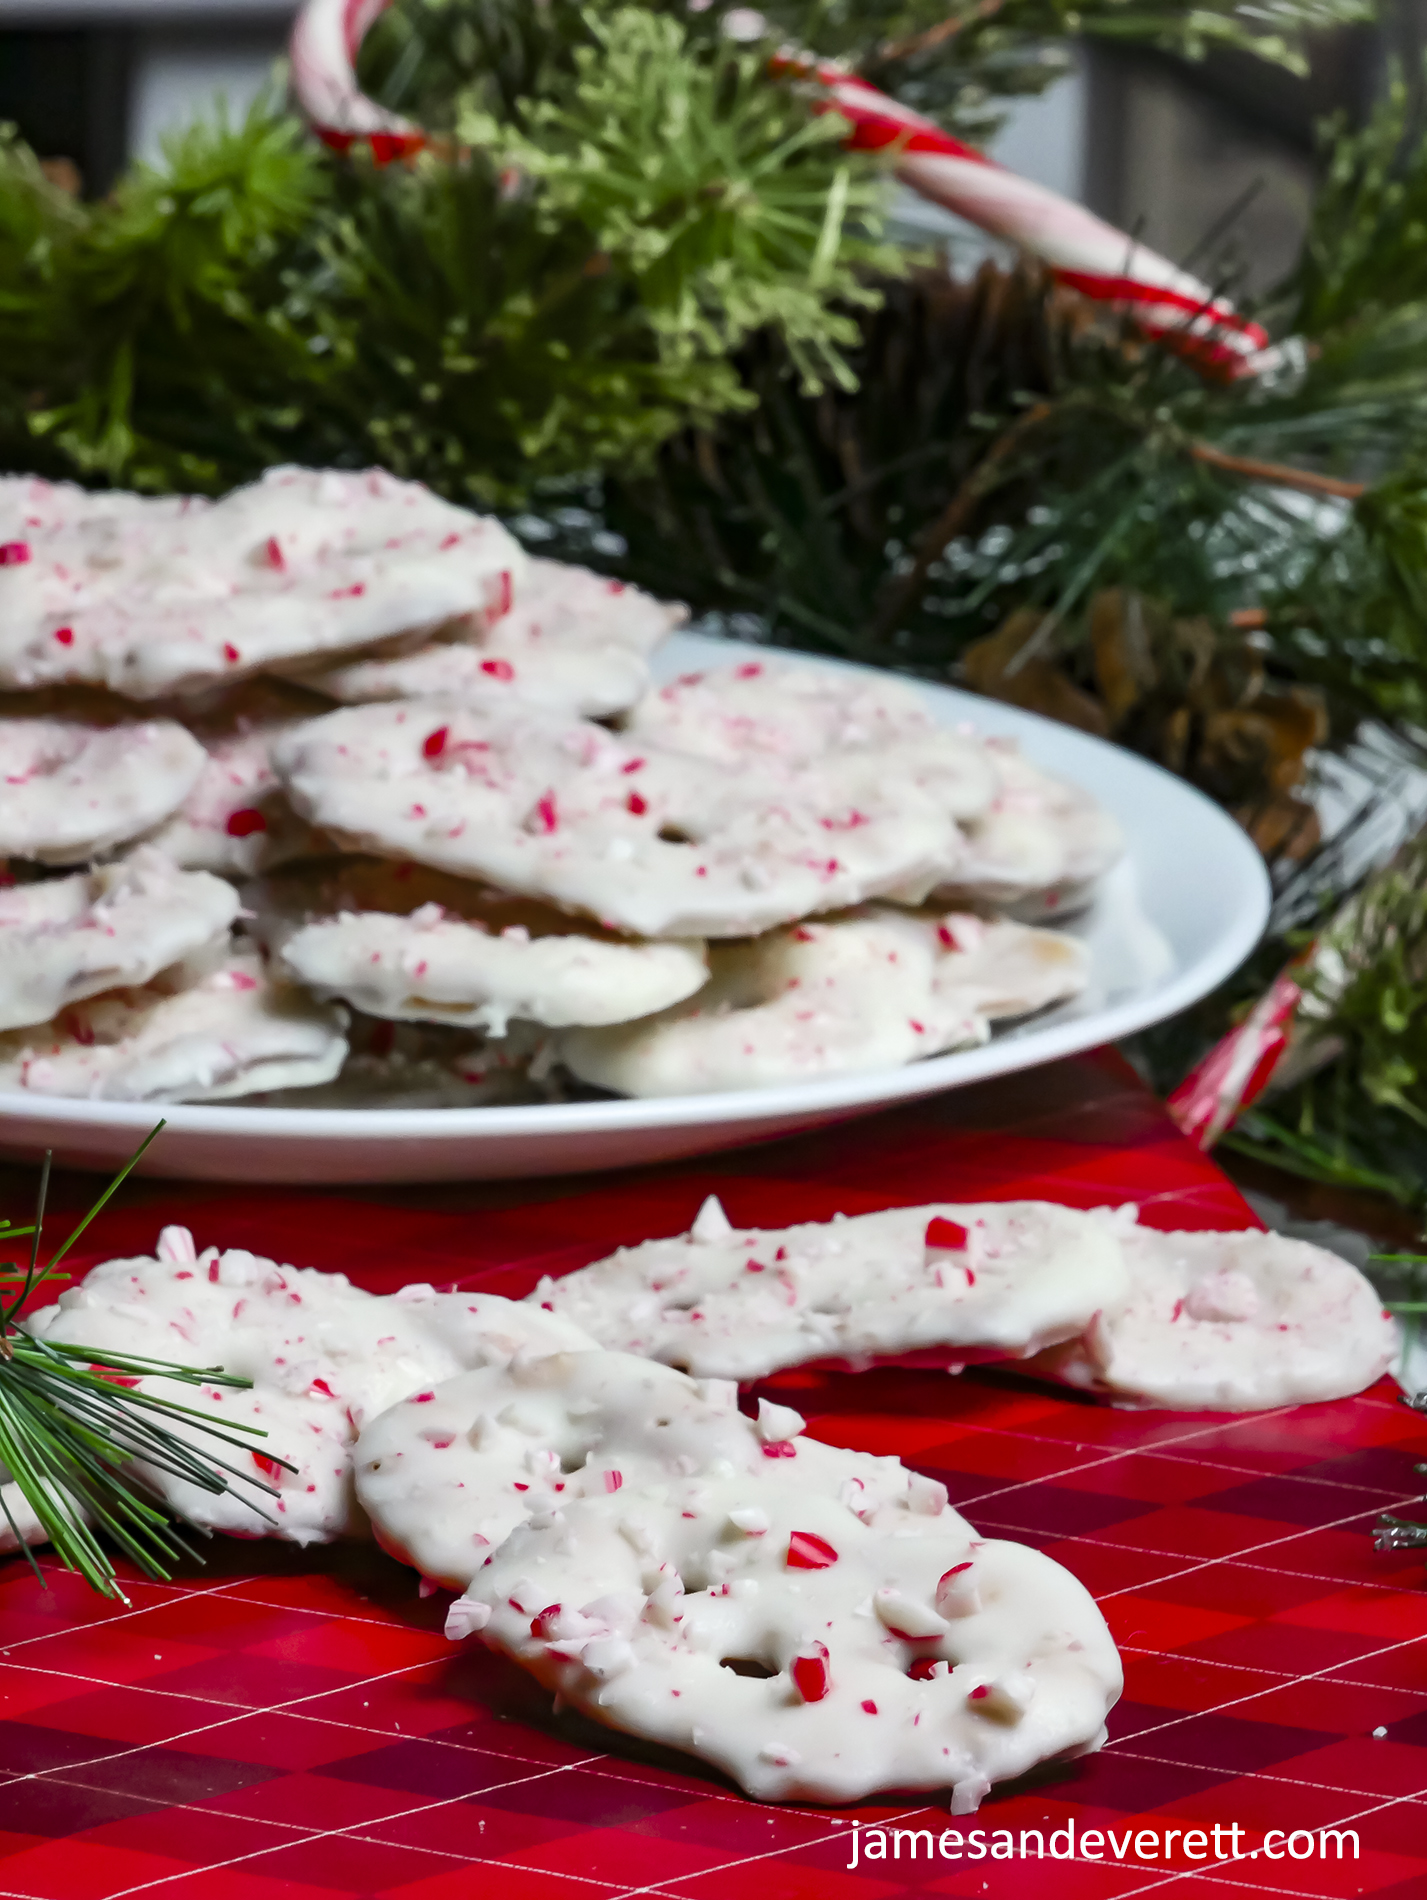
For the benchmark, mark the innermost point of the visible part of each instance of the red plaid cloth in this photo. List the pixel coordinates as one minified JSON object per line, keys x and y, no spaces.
{"x":292,"y":1726}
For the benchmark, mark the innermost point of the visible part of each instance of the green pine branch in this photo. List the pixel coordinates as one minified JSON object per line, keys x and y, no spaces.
{"x":78,"y":1435}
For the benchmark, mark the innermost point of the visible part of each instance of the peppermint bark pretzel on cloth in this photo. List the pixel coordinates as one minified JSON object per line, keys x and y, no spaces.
{"x":935,"y":1285}
{"x":1231,"y":1322}
{"x":647,"y":841}
{"x":322,"y":1355}
{"x":870,"y":989}
{"x":301,"y":563}
{"x":816,"y":1622}
{"x":572,"y":642}
{"x":408,"y":943}
{"x":1081,"y":249}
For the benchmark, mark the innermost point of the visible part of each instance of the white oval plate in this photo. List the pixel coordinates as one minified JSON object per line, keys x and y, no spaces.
{"x":1184,"y":909}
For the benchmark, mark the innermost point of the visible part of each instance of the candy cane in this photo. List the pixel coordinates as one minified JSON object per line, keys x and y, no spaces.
{"x":1082,"y":250}
{"x":1239,"y":1068}
{"x":323,"y":52}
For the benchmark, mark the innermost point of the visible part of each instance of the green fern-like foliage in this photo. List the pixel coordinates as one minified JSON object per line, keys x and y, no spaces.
{"x":559,"y":294}
{"x":961,"y":63}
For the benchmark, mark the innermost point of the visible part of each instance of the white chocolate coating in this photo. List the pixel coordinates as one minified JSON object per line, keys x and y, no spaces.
{"x":1042,"y":845}
{"x":322,"y":1354}
{"x":68,"y":938}
{"x":868,"y":991}
{"x":203,"y":1036}
{"x":800,"y":715}
{"x":447,"y":1475}
{"x":71,"y":789}
{"x":659,"y":844}
{"x":744,"y":1303}
{"x":410,"y":944}
{"x":1028,"y":836}
{"x":763,"y":1612}
{"x":301,"y":563}
{"x":573,"y":642}
{"x":1231,"y":1322}
{"x":236,"y":819}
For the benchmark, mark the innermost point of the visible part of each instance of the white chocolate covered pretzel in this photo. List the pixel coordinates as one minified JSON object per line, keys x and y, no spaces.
{"x":1028,"y":835}
{"x":404,"y":942}
{"x":811,"y":1622}
{"x":446,"y":1475}
{"x":761,"y":709}
{"x":203,"y":1035}
{"x":1231,"y":1322}
{"x":659,"y":844}
{"x":1041,"y":846}
{"x":872,"y":990}
{"x":322,"y":1354}
{"x":573,"y":642}
{"x":71,"y":789}
{"x":938,"y":1284}
{"x":68,"y":938}
{"x":299,"y":564}
{"x":236,"y":819}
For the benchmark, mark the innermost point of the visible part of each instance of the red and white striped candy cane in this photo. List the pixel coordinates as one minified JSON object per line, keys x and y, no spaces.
{"x":1082,"y":250}
{"x":323,"y":53}
{"x":1239,"y":1068}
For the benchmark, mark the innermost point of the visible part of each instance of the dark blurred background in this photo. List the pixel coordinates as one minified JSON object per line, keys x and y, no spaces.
{"x":1159,"y":147}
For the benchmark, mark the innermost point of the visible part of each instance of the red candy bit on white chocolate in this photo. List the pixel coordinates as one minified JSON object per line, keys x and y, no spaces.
{"x":808,"y":1551}
{"x":812,"y":1677}
{"x":946,"y":1236}
{"x":956,"y":1593}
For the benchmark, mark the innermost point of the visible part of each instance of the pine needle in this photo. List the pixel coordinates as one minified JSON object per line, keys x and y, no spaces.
{"x":79,"y":1436}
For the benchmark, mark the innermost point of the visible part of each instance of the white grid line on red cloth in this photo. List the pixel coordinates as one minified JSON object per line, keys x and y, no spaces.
{"x":1104,"y":1540}
{"x":1224,"y":1421}
{"x":1285,"y":1675}
{"x":1233,"y":1702}
{"x":1163,"y":1876}
{"x":362,"y":1831}
{"x":1126,"y":1753}
{"x":303,"y":1830}
{"x":590,"y":1761}
{"x":241,"y":1710}
{"x":1176,"y":1458}
{"x":1214,"y":1867}
{"x":176,"y":1593}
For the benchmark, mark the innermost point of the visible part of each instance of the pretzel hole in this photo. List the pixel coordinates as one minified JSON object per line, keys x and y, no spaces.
{"x":674,"y":834}
{"x":573,"y":1460}
{"x":747,"y":1666}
